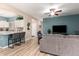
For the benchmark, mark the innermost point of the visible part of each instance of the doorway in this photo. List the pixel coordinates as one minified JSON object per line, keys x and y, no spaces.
{"x":34,"y":28}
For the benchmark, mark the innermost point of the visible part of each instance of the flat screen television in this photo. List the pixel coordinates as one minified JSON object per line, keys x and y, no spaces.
{"x":58,"y":29}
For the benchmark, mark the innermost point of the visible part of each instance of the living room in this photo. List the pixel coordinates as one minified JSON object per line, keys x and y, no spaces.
{"x":61,"y":31}
{"x":39,"y":29}
{"x":58,"y":23}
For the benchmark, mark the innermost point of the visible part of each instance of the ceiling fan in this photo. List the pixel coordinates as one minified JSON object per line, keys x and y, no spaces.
{"x":53,"y":12}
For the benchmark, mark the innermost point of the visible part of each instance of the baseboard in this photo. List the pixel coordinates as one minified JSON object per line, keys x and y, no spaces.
{"x":4,"y":47}
{"x":49,"y":53}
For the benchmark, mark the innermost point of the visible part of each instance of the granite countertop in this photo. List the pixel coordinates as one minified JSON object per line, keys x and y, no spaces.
{"x":8,"y":32}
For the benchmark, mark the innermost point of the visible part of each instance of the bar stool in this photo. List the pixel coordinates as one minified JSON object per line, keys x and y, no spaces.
{"x":17,"y":39}
{"x":10,"y":41}
{"x":22,"y":37}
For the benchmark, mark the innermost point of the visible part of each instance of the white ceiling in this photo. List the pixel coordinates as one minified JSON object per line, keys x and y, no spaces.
{"x":37,"y":9}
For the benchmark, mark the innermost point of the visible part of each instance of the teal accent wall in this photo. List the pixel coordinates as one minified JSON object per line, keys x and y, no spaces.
{"x":72,"y":22}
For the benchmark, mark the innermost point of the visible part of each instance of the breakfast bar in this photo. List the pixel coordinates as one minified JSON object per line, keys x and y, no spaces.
{"x":9,"y":38}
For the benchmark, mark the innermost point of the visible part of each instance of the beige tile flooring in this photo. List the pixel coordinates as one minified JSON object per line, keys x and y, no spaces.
{"x":30,"y":48}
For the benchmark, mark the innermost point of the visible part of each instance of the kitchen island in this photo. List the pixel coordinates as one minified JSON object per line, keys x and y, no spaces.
{"x":4,"y":36}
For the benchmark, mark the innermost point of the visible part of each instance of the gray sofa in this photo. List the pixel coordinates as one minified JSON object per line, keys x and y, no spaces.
{"x":62,"y":45}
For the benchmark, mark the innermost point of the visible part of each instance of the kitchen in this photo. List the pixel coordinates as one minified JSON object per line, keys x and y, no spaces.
{"x":10,"y":24}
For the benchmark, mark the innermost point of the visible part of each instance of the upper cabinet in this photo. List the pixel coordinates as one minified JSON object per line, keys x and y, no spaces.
{"x":4,"y":24}
{"x":19,"y":23}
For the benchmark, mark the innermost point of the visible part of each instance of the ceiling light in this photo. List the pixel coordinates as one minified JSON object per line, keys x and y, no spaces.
{"x":52,"y":13}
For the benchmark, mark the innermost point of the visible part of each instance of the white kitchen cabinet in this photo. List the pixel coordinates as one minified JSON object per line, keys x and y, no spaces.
{"x":19,"y":23}
{"x":4,"y":24}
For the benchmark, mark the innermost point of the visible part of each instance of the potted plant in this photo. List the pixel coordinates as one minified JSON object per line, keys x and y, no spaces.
{"x":28,"y":25}
{"x":49,"y":31}
{"x":19,"y":17}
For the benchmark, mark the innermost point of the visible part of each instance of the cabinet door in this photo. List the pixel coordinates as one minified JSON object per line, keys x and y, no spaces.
{"x":4,"y":24}
{"x":19,"y":23}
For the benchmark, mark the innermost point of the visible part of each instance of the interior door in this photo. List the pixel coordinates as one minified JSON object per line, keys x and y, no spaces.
{"x":34,"y":28}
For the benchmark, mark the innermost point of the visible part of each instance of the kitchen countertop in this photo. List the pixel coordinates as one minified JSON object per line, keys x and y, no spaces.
{"x":9,"y":32}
